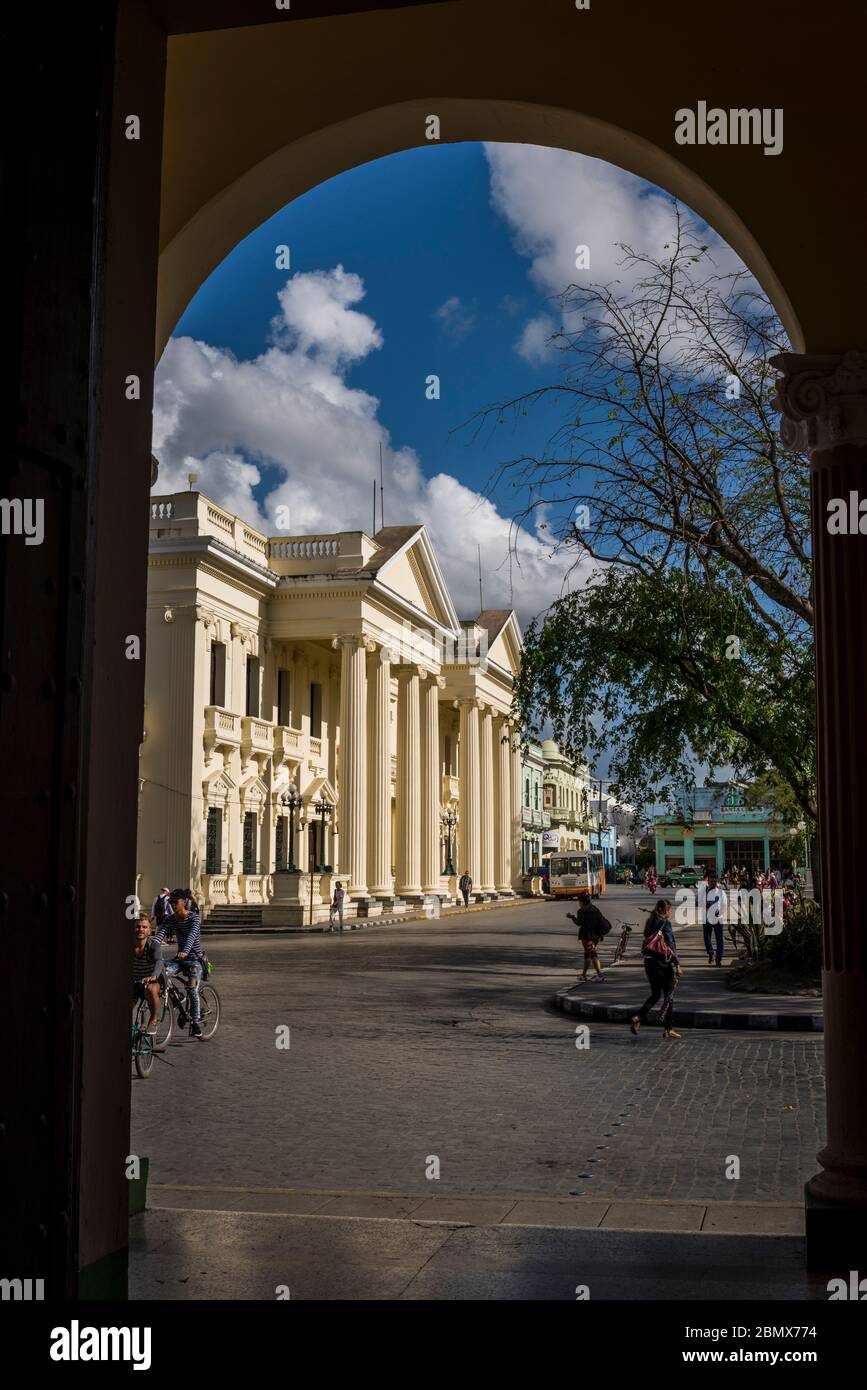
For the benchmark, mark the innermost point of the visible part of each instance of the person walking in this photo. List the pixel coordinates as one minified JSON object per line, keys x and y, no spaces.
{"x":662,"y":968}
{"x":336,"y":910}
{"x":592,"y":926}
{"x":714,"y":900}
{"x":465,"y":883}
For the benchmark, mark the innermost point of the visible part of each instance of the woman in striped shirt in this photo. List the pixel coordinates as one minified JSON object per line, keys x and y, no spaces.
{"x":184,"y":921}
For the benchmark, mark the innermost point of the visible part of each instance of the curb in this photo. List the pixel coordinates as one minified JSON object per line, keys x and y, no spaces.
{"x":694,"y":1018}
{"x":364,"y":923}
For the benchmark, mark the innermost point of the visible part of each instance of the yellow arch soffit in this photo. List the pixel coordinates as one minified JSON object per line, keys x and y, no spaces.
{"x":230,"y":216}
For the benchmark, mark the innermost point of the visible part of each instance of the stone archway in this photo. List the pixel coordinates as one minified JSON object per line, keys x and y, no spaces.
{"x":257,"y":193}
{"x":820,"y":397}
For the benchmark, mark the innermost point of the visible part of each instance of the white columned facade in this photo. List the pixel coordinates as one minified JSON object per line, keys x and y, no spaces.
{"x":430,"y":785}
{"x":469,"y":829}
{"x":516,"y":816}
{"x":502,"y":807}
{"x":352,"y":791}
{"x":379,"y":775}
{"x":408,"y":784}
{"x":486,"y":801}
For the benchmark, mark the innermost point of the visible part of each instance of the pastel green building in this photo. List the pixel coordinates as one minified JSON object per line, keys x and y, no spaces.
{"x":714,"y":827}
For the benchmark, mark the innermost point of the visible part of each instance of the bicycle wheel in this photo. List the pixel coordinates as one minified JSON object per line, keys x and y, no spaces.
{"x":165,"y":1023}
{"x":142,"y":1045}
{"x":209,"y":1018}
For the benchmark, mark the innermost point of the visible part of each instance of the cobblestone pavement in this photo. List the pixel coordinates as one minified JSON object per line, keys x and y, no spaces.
{"x":438,"y":1039}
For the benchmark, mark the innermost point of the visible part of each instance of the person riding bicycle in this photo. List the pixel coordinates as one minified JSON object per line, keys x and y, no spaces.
{"x":147,"y":968}
{"x":184,"y":921}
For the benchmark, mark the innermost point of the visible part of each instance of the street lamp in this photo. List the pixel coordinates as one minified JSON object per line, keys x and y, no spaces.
{"x":802,"y":826}
{"x":322,"y":808}
{"x":294,"y":803}
{"x":449,"y":821}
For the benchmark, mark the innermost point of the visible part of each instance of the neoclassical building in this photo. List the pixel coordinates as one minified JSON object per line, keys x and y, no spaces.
{"x":336,"y":666}
{"x":566,"y":799}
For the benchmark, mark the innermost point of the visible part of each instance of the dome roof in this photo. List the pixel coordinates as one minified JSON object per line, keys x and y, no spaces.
{"x":550,"y":748}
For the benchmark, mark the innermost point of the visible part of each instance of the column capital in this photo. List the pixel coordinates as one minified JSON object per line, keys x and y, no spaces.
{"x":354,"y":640}
{"x":383,"y":651}
{"x":242,"y":633}
{"x":193,"y":611}
{"x":409,"y":669}
{"x":822,"y":399}
{"x":468,"y":702}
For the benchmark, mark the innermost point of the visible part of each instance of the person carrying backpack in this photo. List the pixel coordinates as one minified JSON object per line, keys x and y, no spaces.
{"x":662,"y":968}
{"x":592,"y":926}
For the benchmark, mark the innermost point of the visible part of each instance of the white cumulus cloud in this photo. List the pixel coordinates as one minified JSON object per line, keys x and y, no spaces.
{"x":286,"y":429}
{"x":556,"y":201}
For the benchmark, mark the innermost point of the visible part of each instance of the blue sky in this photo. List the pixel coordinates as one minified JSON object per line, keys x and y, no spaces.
{"x":419,"y":229}
{"x":279,"y":386}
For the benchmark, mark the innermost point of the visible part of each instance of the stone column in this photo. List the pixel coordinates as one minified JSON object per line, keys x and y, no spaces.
{"x":408,"y":784}
{"x":430,"y":785}
{"x":469,"y":830}
{"x":823,"y":400}
{"x":379,"y":775}
{"x":486,"y":785}
{"x":516,"y":818}
{"x":352,"y":791}
{"x":502,"y":807}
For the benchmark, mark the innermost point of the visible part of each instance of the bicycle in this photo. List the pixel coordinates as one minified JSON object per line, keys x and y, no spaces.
{"x":142,"y":1041}
{"x":175,"y":1000}
{"x":620,"y":948}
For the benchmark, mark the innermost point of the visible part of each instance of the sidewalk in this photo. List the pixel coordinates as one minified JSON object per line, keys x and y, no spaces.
{"x":363,"y":923}
{"x":701,"y":1001}
{"x":236,"y":1244}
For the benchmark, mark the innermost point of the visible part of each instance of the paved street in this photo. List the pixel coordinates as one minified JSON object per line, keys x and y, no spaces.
{"x":437,"y":1039}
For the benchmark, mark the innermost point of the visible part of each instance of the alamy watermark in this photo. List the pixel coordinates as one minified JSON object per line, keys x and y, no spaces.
{"x":731,"y":906}
{"x":738,"y":126}
{"x":23,"y":516}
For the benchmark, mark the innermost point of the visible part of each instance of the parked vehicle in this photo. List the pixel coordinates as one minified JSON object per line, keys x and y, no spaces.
{"x":623,"y":873}
{"x":682,"y":876}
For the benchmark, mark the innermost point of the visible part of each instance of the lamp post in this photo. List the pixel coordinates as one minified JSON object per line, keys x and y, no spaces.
{"x":322,"y":809}
{"x":449,"y":821}
{"x":294,"y":802}
{"x":802,"y":826}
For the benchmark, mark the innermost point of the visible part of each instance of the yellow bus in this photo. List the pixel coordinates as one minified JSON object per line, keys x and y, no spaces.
{"x":576,"y":871}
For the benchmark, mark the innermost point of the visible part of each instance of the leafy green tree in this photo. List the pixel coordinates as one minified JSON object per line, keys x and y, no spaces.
{"x":688,"y":631}
{"x":637,"y":665}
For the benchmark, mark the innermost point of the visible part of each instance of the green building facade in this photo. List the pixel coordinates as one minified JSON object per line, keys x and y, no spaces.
{"x":714,"y":827}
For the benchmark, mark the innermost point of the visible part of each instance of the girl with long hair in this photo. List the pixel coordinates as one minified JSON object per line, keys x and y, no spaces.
{"x":662,"y":968}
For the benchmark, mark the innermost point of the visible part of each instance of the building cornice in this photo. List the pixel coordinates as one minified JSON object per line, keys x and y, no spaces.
{"x":197,"y":548}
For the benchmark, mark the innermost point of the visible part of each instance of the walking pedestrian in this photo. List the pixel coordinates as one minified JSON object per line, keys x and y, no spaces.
{"x":714,"y":900}
{"x":336,"y":910}
{"x":662,"y":968}
{"x":592,"y":926}
{"x":465,"y":883}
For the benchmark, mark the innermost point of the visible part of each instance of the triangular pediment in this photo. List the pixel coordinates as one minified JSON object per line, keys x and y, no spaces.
{"x":413,"y":572}
{"x":506,"y":646}
{"x":219,"y":786}
{"x":319,"y":789}
{"x":254,"y":789}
